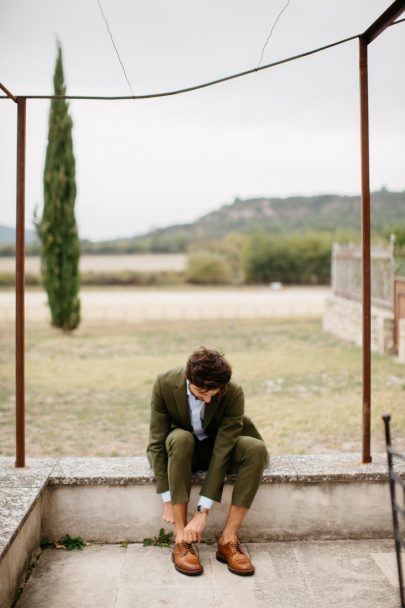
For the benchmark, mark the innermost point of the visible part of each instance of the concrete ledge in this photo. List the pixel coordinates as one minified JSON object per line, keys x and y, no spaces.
{"x":330,"y":496}
{"x":20,"y":490}
{"x":21,"y":510}
{"x":282,"y":469}
{"x":18,"y":555}
{"x":314,"y":497}
{"x":337,"y":510}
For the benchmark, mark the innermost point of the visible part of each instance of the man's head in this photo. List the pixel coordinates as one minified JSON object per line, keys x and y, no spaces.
{"x":208,"y":373}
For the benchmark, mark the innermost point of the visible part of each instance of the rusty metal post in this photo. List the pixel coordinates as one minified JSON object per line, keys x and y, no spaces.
{"x":365,"y":234}
{"x":19,"y":285}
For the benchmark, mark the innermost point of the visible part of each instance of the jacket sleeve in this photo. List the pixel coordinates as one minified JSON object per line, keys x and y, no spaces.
{"x":229,"y":430}
{"x":159,"y":429}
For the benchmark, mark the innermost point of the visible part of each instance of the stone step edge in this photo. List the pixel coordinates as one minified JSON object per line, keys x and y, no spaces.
{"x":283,"y":469}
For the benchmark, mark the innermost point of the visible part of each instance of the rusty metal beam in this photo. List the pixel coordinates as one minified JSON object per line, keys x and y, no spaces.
{"x":7,"y":92}
{"x":19,"y":285}
{"x":385,"y":20}
{"x":365,"y":236}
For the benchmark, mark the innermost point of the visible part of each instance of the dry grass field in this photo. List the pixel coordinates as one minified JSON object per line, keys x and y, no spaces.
{"x":109,"y":263}
{"x":88,"y":393}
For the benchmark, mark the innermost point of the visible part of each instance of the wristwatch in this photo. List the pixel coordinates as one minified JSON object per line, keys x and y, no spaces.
{"x":202,"y":509}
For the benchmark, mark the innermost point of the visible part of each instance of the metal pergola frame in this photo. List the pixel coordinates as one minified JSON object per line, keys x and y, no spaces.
{"x":376,"y":28}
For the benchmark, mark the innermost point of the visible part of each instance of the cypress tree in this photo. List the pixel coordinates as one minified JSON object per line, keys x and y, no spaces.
{"x":60,"y":246}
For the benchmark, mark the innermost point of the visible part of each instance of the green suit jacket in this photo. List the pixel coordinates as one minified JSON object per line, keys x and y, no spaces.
{"x":223,"y":419}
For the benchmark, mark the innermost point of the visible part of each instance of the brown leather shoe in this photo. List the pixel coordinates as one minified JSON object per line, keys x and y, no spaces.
{"x":185,"y":560}
{"x":233,"y":555}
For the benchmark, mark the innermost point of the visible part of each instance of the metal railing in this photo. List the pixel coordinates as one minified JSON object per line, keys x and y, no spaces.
{"x":397,"y":510}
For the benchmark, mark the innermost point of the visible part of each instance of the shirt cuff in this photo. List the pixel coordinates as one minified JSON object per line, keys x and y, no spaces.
{"x":166,"y":496}
{"x":205,"y":502}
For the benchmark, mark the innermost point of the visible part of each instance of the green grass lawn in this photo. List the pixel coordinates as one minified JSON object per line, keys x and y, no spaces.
{"x":88,"y":393}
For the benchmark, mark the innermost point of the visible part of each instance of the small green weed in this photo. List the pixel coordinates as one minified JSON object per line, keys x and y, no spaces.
{"x":27,"y":575}
{"x":70,"y":543}
{"x":45,"y":543}
{"x":16,"y":596}
{"x":163,"y":540}
{"x":33,"y":564}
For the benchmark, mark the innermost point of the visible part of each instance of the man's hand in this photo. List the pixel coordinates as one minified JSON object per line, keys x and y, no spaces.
{"x":168,"y":513}
{"x":192,"y":532}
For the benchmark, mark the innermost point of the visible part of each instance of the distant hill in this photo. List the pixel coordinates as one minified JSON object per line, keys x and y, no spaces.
{"x":326,"y":213}
{"x":7,"y":236}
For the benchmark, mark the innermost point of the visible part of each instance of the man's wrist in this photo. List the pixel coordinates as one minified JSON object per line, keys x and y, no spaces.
{"x":202,"y":517}
{"x":202,"y":510}
{"x":206,"y":502}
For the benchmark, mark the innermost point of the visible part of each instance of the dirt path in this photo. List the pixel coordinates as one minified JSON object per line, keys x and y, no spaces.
{"x":135,"y":304}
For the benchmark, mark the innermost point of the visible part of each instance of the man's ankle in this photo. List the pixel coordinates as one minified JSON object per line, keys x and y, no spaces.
{"x":179,"y":536}
{"x":228,"y":537}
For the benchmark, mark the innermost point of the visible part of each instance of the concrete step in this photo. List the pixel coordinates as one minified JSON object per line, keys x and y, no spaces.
{"x":314,"y":496}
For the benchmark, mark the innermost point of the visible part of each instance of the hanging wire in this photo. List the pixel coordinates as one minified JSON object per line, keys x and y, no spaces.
{"x":115,"y":47}
{"x":198,"y":86}
{"x":271,"y":32}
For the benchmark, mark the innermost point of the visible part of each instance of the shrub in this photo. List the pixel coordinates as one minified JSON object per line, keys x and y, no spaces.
{"x":229,"y":248}
{"x":292,"y":259}
{"x":205,"y":268}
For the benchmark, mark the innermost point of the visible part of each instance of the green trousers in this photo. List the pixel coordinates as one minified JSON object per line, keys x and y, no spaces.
{"x":186,"y":453}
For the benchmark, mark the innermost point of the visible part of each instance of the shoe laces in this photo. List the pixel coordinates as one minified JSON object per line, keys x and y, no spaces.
{"x":192,"y":547}
{"x":237,"y":546}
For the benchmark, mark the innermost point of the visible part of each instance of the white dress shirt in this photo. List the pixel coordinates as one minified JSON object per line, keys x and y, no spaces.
{"x":197,"y":409}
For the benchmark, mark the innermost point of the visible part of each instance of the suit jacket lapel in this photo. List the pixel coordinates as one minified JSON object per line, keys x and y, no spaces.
{"x":180,"y":394}
{"x":210,"y":409}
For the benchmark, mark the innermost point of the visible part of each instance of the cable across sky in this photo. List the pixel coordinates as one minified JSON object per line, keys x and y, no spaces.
{"x":198,"y":86}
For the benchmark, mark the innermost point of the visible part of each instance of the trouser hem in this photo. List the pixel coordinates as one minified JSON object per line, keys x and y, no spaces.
{"x":241,"y":503}
{"x":179,"y":501}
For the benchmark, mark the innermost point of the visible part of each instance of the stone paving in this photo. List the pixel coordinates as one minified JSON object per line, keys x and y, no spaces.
{"x":305,"y":574}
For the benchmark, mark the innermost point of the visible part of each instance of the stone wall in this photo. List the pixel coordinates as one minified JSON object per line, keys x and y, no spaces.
{"x":343,"y":318}
{"x":401,"y":341}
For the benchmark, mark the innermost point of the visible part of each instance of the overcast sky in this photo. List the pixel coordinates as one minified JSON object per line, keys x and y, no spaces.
{"x":293,"y":129}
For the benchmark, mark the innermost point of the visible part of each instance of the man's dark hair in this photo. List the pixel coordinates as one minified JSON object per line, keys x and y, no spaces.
{"x":208,"y":369}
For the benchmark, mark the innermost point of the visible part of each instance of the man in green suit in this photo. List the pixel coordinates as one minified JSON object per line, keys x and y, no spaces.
{"x":198,"y":423}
